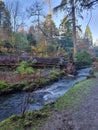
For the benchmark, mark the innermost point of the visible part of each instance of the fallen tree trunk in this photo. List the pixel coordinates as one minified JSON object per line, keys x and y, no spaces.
{"x":40,"y":61}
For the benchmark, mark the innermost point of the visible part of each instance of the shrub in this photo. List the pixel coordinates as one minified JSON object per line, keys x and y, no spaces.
{"x":24,"y":68}
{"x":3,"y":87}
{"x":3,"y":84}
{"x":83,"y":59}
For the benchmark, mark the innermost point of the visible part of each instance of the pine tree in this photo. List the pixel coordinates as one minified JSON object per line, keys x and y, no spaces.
{"x":73,"y":8}
{"x":5,"y":24}
{"x":49,"y":28}
{"x":70,"y":7}
{"x":88,"y":34}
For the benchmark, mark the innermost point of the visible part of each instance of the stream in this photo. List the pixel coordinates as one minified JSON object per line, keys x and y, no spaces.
{"x":14,"y":103}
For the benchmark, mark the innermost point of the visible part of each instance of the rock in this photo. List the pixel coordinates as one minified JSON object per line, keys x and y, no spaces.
{"x":91,"y":74}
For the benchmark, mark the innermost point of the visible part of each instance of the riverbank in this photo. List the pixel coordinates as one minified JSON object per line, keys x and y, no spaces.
{"x":61,"y":110}
{"x":13,"y":83}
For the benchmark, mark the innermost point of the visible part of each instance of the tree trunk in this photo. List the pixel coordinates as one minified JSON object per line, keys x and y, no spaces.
{"x":74,"y":26}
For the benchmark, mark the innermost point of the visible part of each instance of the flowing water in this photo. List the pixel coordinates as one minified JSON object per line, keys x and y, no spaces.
{"x":14,"y":103}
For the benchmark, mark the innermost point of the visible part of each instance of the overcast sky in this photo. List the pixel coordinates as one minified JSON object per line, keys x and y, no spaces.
{"x":57,"y":18}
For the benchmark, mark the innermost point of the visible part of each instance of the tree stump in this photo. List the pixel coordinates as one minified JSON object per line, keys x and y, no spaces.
{"x":71,"y":69}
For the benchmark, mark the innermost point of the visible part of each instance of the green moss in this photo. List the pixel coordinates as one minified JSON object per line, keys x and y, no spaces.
{"x":9,"y":88}
{"x":25,"y":86}
{"x":30,"y":119}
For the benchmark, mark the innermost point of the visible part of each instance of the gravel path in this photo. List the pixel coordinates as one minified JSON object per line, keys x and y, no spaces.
{"x":85,"y":118}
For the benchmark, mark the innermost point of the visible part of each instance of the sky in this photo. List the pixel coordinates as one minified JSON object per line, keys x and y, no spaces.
{"x":93,"y":22}
{"x":58,"y":16}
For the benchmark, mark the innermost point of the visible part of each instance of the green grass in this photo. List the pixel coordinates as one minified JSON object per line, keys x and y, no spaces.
{"x":32,"y":120}
{"x":76,"y":95}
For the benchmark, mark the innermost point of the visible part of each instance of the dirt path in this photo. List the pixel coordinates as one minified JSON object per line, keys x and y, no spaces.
{"x":85,"y":118}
